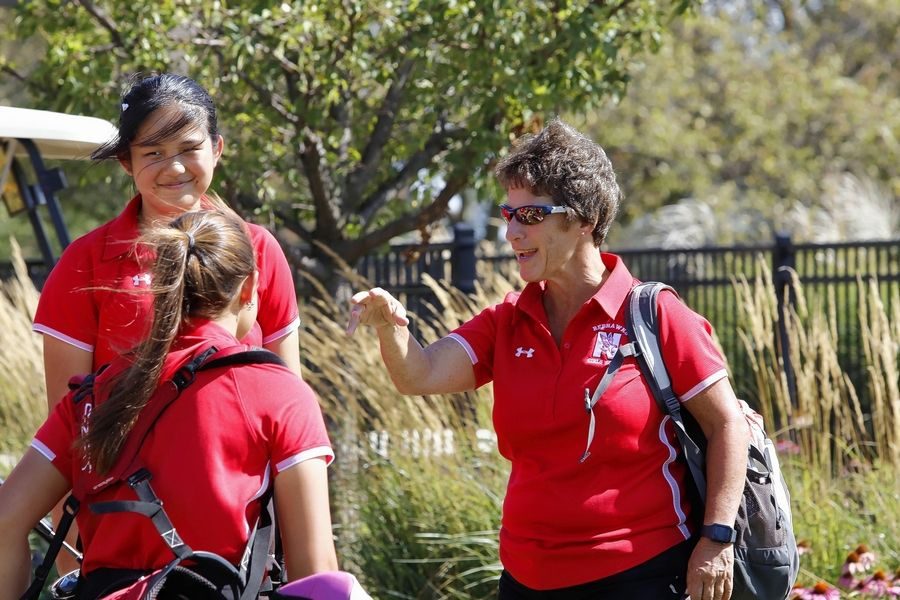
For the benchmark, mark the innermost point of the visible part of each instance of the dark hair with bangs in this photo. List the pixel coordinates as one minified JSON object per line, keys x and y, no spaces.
{"x":565,"y":165}
{"x":147,"y":94}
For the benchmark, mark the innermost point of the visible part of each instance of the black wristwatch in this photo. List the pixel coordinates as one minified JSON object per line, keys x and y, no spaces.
{"x":719,"y":533}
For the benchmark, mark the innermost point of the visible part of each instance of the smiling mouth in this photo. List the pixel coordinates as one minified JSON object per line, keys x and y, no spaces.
{"x":523,"y":254}
{"x":174,"y":184}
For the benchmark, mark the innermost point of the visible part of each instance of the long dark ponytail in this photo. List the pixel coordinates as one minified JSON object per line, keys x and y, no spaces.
{"x":201,"y":260}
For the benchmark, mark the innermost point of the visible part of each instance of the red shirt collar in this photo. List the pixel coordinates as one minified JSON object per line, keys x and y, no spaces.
{"x":609,"y":297}
{"x":125,"y":228}
{"x":193,"y":338}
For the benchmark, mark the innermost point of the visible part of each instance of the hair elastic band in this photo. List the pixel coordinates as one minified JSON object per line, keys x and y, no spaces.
{"x":190,"y":241}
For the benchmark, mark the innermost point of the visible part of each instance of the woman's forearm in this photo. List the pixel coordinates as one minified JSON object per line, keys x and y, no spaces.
{"x":726,"y":467}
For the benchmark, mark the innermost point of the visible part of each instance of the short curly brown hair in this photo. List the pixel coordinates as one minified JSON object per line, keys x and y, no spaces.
{"x":565,"y":165}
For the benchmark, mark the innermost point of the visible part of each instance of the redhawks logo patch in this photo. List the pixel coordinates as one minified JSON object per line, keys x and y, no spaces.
{"x":609,"y":338}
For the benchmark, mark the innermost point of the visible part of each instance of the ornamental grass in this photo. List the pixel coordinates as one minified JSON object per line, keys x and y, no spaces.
{"x":23,"y":404}
{"x":418,"y":484}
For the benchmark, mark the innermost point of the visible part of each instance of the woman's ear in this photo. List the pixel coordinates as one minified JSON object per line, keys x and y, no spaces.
{"x":125,"y":161}
{"x":249,"y":287}
{"x":587,"y":228}
{"x":218,"y":147}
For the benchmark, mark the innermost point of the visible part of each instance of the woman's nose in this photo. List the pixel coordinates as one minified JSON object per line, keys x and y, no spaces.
{"x":514,"y":230}
{"x":174,"y":164}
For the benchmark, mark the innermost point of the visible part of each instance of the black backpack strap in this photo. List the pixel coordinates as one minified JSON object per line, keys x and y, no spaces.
{"x":256,"y":556}
{"x":169,"y":391}
{"x":149,"y":505}
{"x":238,"y":355}
{"x":70,"y":509}
{"x":643,"y":329}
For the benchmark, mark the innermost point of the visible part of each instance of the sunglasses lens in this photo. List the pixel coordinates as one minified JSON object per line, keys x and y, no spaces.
{"x":507,"y":213}
{"x":530,"y":215}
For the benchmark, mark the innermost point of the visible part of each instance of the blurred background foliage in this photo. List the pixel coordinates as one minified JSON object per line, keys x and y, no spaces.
{"x":760,"y":116}
{"x":347,"y":122}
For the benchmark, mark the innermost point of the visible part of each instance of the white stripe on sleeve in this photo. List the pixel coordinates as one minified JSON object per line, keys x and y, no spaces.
{"x":43,"y":449}
{"x":288,"y":329}
{"x":704,"y":384}
{"x":318,"y":452}
{"x":43,"y":329}
{"x":462,"y":342}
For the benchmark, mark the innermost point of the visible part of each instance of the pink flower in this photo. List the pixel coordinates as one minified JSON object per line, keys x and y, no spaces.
{"x":787,"y":447}
{"x":846,"y":580}
{"x":820,"y":591}
{"x":878,"y":586}
{"x":859,"y":561}
{"x":866,"y":557}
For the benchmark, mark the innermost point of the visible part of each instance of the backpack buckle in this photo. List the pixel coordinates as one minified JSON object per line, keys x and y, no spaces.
{"x":138,"y":477}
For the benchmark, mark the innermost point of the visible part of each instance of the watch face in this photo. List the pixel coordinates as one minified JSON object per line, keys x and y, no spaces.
{"x":719,"y":533}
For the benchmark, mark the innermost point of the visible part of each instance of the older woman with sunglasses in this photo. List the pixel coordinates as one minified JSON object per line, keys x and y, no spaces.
{"x":613,"y":520}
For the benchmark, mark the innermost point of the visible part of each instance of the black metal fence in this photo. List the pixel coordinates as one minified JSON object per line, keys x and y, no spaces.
{"x":704,"y":277}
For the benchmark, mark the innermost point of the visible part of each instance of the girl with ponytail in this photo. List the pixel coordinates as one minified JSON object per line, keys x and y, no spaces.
{"x":211,"y":453}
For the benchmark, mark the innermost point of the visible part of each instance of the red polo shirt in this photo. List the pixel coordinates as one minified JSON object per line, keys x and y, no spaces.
{"x":565,"y":522}
{"x":211,"y":455}
{"x":82,"y":302}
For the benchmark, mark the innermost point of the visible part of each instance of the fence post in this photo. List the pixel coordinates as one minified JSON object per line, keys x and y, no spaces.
{"x":784,"y":260}
{"x":463,"y":263}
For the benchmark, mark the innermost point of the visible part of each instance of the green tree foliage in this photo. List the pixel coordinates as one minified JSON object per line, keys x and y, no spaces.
{"x":349,"y":122}
{"x":753,"y":114}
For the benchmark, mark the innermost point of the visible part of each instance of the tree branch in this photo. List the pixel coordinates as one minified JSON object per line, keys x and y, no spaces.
{"x":12,"y":72}
{"x":436,"y":143}
{"x":246,"y":204}
{"x":326,"y":217}
{"x":387,"y":115}
{"x":271,"y":99}
{"x":340,"y":112}
{"x":354,"y":249}
{"x":104,"y":21}
{"x":326,"y":228}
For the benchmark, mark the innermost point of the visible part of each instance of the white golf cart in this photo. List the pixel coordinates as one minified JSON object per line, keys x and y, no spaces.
{"x":32,"y":136}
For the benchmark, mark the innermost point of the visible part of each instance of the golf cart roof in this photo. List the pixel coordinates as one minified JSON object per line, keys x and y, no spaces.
{"x":56,"y":135}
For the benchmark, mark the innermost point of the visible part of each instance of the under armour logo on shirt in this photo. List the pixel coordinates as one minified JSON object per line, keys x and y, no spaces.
{"x":143,"y":278}
{"x":520,"y":351}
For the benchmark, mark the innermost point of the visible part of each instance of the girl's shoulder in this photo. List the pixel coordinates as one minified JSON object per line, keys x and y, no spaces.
{"x":260,"y":236}
{"x":111,"y":239}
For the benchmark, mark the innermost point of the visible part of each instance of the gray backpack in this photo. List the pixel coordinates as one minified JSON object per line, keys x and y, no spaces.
{"x":766,"y":559}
